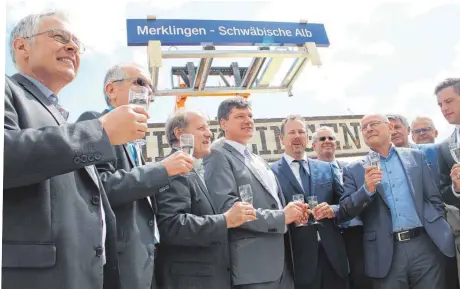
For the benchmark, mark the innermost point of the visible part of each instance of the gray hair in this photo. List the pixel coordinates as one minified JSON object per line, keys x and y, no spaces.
{"x":454,"y":82}
{"x":399,"y":117}
{"x":418,"y":118}
{"x":226,"y":106}
{"x":178,"y":120}
{"x":117,"y":72}
{"x":289,"y":118}
{"x":322,"y":128}
{"x":30,"y":25}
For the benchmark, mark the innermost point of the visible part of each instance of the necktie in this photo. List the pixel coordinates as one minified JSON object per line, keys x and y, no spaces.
{"x":132,"y":149}
{"x":303,"y":176}
{"x":55,"y":101}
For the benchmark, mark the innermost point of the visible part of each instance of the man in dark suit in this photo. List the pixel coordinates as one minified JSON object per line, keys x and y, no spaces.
{"x":58,"y":228}
{"x":448,"y":97}
{"x":259,"y":253}
{"x":406,"y":235}
{"x":193,"y":252}
{"x":131,"y":185}
{"x":325,"y":146}
{"x":320,"y":259}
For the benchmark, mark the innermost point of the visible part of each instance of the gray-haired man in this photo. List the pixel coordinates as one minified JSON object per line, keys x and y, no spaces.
{"x":131,"y":185}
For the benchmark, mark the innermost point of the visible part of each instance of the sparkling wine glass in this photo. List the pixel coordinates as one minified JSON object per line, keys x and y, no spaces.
{"x":187,"y":142}
{"x":139,"y":95}
{"x":246,"y":193}
{"x":312,"y":203}
{"x":455,"y":152}
{"x":301,"y":199}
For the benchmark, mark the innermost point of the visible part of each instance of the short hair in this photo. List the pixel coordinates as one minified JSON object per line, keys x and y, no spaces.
{"x":30,"y":25}
{"x":117,"y":72}
{"x":424,"y":118}
{"x":226,"y":106}
{"x":289,"y":118}
{"x":399,"y":117}
{"x":448,"y":82}
{"x":322,"y":128}
{"x":178,"y":120}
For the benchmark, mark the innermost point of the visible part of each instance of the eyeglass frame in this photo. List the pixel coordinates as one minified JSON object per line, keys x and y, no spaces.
{"x":138,"y":80}
{"x":372,"y":124}
{"x":422,"y":130}
{"x":78,"y":43}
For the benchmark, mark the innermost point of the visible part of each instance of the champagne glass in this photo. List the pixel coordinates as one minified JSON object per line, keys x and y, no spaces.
{"x":455,"y":152}
{"x":139,"y":95}
{"x":339,"y":173}
{"x":187,"y":142}
{"x":312,"y":203}
{"x":374,"y":159}
{"x":246,"y":193}
{"x":301,"y":199}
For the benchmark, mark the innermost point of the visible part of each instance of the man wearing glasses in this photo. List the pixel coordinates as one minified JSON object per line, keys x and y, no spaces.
{"x":58,"y":227}
{"x":325,"y":146}
{"x":423,"y":130}
{"x":406,"y":235}
{"x":131,"y":184}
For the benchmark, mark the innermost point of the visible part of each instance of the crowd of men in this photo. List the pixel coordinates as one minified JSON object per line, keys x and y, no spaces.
{"x":82,"y":209}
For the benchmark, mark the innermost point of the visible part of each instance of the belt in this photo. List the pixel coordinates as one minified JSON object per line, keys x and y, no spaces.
{"x":409,"y":234}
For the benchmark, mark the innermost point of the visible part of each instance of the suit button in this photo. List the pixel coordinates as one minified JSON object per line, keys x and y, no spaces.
{"x":228,"y":269}
{"x":97,"y":156}
{"x":76,"y":160}
{"x":95,"y":200}
{"x":99,"y":251}
{"x":274,"y":206}
{"x":91,"y":158}
{"x":151,"y":223}
{"x":84,"y":158}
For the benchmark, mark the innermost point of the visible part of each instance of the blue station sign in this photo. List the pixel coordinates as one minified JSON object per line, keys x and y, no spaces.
{"x":216,"y":32}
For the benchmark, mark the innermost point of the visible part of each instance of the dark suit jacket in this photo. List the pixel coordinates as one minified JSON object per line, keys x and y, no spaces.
{"x":52,"y":220}
{"x":257,"y":248}
{"x":193,"y":252}
{"x":326,"y":186}
{"x":446,"y":162}
{"x":130,"y":190}
{"x":375,"y":213}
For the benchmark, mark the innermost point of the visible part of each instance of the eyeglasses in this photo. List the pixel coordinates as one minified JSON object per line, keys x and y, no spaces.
{"x":422,"y":130}
{"x":137,"y":81}
{"x":372,"y":125}
{"x":329,"y":138}
{"x":61,"y":36}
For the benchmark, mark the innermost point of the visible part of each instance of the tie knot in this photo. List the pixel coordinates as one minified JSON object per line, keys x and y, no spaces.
{"x":247,"y":152}
{"x":301,"y":162}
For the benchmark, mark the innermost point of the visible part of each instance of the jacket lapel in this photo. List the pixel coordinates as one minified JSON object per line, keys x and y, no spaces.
{"x":37,"y":94}
{"x":204,"y":190}
{"x":251,"y":168}
{"x":286,"y":170}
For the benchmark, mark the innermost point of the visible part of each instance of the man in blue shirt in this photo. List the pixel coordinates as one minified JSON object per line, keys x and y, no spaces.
{"x":405,"y":232}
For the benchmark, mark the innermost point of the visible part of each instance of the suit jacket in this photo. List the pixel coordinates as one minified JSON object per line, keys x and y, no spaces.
{"x":52,"y":221}
{"x":374,"y":212}
{"x":446,"y":162}
{"x":131,"y":192}
{"x":257,"y":248}
{"x":324,"y":184}
{"x":193,"y":252}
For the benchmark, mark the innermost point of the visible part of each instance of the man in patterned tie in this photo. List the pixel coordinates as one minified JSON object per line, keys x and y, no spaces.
{"x":131,"y":185}
{"x":325,"y":146}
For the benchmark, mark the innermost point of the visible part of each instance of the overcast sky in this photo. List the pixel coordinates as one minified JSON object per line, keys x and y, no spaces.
{"x":385,"y":56}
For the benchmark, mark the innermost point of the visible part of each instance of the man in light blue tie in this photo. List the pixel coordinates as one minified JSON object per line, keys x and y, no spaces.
{"x":131,"y":185}
{"x":325,"y":146}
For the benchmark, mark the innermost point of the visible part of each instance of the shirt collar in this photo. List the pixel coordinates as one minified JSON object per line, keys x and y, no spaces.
{"x":335,"y":164}
{"x":43,"y":89}
{"x":290,"y":159}
{"x":236,"y":145}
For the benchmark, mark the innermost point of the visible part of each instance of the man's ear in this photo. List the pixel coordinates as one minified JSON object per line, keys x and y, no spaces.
{"x":21,"y":47}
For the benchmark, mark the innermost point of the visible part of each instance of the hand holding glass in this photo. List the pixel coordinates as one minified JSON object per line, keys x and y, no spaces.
{"x":139,"y":95}
{"x":299,"y":198}
{"x":187,"y":142}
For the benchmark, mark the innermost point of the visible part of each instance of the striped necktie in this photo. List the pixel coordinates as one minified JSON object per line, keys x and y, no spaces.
{"x":55,"y":101}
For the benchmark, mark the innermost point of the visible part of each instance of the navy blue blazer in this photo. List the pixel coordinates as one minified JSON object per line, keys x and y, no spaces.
{"x":375,"y":213}
{"x":326,"y":186}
